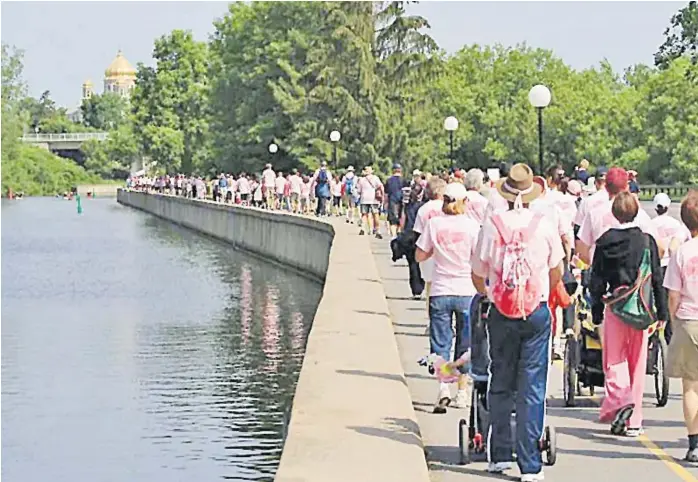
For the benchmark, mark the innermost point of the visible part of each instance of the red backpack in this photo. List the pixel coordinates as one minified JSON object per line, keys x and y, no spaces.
{"x":517,"y":290}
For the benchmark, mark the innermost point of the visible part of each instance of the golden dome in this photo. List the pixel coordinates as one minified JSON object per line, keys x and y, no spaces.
{"x":120,"y":67}
{"x":87,"y":83}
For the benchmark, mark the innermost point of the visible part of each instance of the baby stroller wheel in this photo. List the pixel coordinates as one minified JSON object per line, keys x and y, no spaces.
{"x":463,"y":442}
{"x":569,"y":374}
{"x":550,"y":446}
{"x":661,"y":380}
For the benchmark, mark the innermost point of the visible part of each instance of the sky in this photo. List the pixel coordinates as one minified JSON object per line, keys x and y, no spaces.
{"x":66,"y":43}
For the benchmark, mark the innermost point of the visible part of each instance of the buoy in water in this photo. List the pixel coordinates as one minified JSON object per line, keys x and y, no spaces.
{"x":77,"y":198}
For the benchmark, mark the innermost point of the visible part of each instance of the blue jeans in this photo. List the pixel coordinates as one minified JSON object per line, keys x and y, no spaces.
{"x":441,"y":312}
{"x":519,"y":372}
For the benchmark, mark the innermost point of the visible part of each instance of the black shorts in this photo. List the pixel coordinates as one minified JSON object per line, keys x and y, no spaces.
{"x":337,"y":201}
{"x":394,"y":212}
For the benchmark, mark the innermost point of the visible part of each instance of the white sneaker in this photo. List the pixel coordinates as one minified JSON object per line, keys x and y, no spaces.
{"x":558,"y":352}
{"x":461,"y":400}
{"x":533,"y":477}
{"x":498,"y":467}
{"x":443,"y":401}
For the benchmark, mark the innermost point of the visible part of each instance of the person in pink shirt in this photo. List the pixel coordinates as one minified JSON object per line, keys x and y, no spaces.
{"x":600,"y":218}
{"x":430,"y":209}
{"x":517,"y":259}
{"x":450,"y":240}
{"x":596,"y":199}
{"x":618,"y":258}
{"x":681,"y":280}
{"x":279,"y":187}
{"x":477,"y":203}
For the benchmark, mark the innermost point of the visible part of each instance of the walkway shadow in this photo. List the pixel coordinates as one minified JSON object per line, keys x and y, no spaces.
{"x":404,"y":333}
{"x":607,"y":454}
{"x":417,"y":376}
{"x":469,"y":471}
{"x":370,"y":280}
{"x":368,"y":312}
{"x":384,"y":376}
{"x":402,"y":298}
{"x":410,"y":325}
{"x":399,"y":429}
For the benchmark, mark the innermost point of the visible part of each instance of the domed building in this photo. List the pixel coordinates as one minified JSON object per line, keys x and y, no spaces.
{"x":119,"y":78}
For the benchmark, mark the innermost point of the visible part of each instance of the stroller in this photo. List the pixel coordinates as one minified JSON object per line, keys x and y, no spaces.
{"x":472,"y":434}
{"x":583,"y":360}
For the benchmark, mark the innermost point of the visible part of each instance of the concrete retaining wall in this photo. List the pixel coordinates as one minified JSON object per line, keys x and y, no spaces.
{"x":352,"y":417}
{"x":295,"y":241}
{"x":99,"y":190}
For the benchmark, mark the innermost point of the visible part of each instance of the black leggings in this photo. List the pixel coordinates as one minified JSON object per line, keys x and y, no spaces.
{"x":667,"y":330}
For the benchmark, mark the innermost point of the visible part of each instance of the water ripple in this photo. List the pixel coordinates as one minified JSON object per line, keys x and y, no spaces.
{"x":136,"y":350}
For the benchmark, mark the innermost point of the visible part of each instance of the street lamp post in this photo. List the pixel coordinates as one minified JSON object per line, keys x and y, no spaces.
{"x":335,"y":136}
{"x":539,"y":97}
{"x":451,"y":125}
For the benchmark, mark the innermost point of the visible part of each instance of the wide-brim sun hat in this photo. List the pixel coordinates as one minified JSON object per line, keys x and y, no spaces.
{"x":519,"y":185}
{"x":416,"y":172}
{"x":350,"y":168}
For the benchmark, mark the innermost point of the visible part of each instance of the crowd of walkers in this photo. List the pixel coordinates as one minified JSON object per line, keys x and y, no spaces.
{"x":515,"y":238}
{"x":516,"y":241}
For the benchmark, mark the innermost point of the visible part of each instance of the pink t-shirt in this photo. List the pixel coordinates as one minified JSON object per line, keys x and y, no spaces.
{"x":269,"y":176}
{"x":590,"y":203}
{"x":548,"y":208}
{"x":669,"y":228}
{"x":476,"y":205}
{"x":296,"y":183}
{"x":305,"y":189}
{"x":546,"y":248}
{"x":429,"y":210}
{"x":244,"y":185}
{"x":682,"y":276}
{"x":367,"y":186}
{"x":568,"y":206}
{"x":452,"y":240}
{"x":601,"y":219}
{"x":495,"y":203}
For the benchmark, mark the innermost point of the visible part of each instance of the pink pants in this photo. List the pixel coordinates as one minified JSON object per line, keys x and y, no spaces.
{"x":624,"y":366}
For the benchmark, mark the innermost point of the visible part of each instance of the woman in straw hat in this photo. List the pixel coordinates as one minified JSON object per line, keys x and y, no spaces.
{"x":519,"y":254}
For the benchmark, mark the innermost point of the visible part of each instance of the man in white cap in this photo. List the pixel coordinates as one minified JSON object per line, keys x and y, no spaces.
{"x":671,"y":233}
{"x":349,"y":190}
{"x":518,"y":258}
{"x":370,"y":190}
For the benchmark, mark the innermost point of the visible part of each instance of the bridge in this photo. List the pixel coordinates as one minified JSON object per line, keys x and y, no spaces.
{"x":63,"y":142}
{"x":362,"y":407}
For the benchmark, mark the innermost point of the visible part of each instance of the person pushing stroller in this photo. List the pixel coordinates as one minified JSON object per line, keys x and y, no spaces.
{"x":520,"y":254}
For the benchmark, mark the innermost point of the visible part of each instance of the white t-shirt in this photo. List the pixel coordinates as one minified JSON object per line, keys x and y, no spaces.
{"x":244,"y":185}
{"x":335,"y":188}
{"x":280,"y":183}
{"x":546,"y":249}
{"x":296,"y":183}
{"x":548,"y":208}
{"x":452,"y":240}
{"x":682,"y":276}
{"x":268,"y":178}
{"x":667,"y":229}
{"x":590,"y":203}
{"x":366,"y":187}
{"x":495,"y":203}
{"x":601,"y":219}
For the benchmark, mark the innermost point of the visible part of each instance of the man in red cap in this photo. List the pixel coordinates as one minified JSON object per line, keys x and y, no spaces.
{"x":601,"y":219}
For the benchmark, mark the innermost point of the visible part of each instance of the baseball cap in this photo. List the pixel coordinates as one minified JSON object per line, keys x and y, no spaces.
{"x":350,"y":168}
{"x":455,"y":191}
{"x":662,"y":200}
{"x":574,"y":187}
{"x":396,"y":166}
{"x":602,"y":172}
{"x":616,"y":180}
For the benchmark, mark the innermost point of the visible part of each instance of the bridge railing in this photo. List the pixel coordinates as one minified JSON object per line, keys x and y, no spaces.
{"x":74,"y":137}
{"x":674,"y":191}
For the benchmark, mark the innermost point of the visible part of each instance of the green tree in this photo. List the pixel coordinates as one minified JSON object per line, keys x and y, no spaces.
{"x":170,"y":103}
{"x":113,"y":157}
{"x":681,"y":37}
{"x":105,"y":112}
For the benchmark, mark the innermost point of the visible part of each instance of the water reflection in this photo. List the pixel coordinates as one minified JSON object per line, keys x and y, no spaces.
{"x":171,"y":354}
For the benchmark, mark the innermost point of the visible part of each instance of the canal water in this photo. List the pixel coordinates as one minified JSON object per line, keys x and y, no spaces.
{"x":135,"y":350}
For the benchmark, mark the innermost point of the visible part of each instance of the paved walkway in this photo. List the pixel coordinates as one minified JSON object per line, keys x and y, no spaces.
{"x":586,"y":450}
